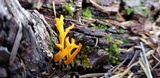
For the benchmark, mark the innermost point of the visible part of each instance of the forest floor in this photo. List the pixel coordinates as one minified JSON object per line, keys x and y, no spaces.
{"x":120,"y":38}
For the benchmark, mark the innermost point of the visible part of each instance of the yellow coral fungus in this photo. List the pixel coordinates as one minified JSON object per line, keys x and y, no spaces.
{"x":65,"y":46}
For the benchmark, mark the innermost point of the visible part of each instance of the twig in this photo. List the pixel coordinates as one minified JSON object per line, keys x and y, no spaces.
{"x":54,"y":10}
{"x":117,"y":75}
{"x":121,"y":17}
{"x":130,"y":76}
{"x":148,"y":43}
{"x":96,"y":42}
{"x":91,"y":75}
{"x":146,"y":61}
{"x":132,"y":59}
{"x":120,"y":64}
{"x":157,"y":60}
{"x":23,"y":65}
{"x":136,"y":63}
{"x":98,"y":6}
{"x":50,"y":76}
{"x":127,"y":70}
{"x":108,"y":73}
{"x":142,"y":64}
{"x":16,"y":44}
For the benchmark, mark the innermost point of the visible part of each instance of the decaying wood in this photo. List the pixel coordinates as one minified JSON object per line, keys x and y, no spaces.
{"x":25,"y":38}
{"x":106,"y":10}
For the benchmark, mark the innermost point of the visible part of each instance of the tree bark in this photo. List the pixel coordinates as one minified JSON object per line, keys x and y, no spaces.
{"x":24,"y":40}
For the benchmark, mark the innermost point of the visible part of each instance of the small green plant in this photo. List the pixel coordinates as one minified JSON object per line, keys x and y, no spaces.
{"x":49,"y":6}
{"x":80,"y":37}
{"x":130,"y":10}
{"x":139,"y":8}
{"x":86,"y":62}
{"x":100,"y":26}
{"x":118,"y":41}
{"x":121,"y":30}
{"x":86,"y":49}
{"x":113,"y":50}
{"x":83,"y":60}
{"x":114,"y":53}
{"x":106,"y":49}
{"x":87,"y":12}
{"x":144,"y":11}
{"x":108,"y":38}
{"x":34,"y":5}
{"x":51,"y":43}
{"x":126,"y":41}
{"x":69,"y":8}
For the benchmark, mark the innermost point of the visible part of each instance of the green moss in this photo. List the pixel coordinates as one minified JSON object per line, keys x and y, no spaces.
{"x":52,"y":46}
{"x":83,"y":60}
{"x":108,"y":38}
{"x":114,"y":53}
{"x":99,"y":26}
{"x":87,"y":12}
{"x":69,"y":8}
{"x":49,"y":6}
{"x":34,"y":5}
{"x":86,"y":49}
{"x":106,"y":49}
{"x":143,"y":10}
{"x":121,"y":30}
{"x":80,"y":59}
{"x":118,"y":41}
{"x":51,"y":43}
{"x":126,"y":41}
{"x":130,"y":10}
{"x":80,"y":37}
{"x":113,"y":50}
